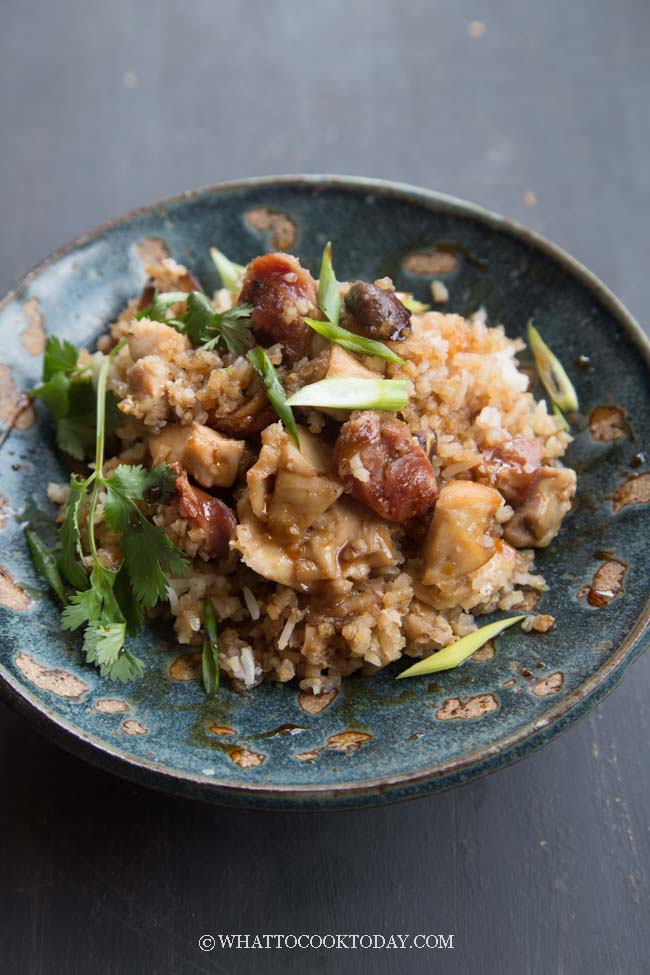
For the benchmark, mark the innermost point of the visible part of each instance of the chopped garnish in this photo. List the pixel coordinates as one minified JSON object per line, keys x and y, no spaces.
{"x":417,"y":307}
{"x":45,"y":562}
{"x":210,"y":329}
{"x":456,"y":653}
{"x":229,"y":272}
{"x":551,"y":372}
{"x":68,"y":393}
{"x":329,"y":299}
{"x":274,"y":390}
{"x":355,"y":343}
{"x":111,"y":603}
{"x":354,"y":394}
{"x":210,"y":652}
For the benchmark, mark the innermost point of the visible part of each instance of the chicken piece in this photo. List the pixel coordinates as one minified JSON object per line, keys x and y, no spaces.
{"x":211,"y":459}
{"x":332,"y":363}
{"x":514,"y":468}
{"x":282,"y":293}
{"x":251,"y":413}
{"x":290,"y":488}
{"x":538,"y":520}
{"x":148,"y":378}
{"x":460,"y":538}
{"x":201,"y":510}
{"x":474,"y":588}
{"x":153,"y":338}
{"x":344,"y":542}
{"x":378,"y":313}
{"x":383,"y":466}
{"x":347,"y":542}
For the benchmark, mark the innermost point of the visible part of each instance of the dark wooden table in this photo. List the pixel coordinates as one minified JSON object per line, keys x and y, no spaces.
{"x":538,"y":110}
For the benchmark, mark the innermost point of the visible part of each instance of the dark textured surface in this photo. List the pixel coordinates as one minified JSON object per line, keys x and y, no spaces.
{"x":542,"y":868}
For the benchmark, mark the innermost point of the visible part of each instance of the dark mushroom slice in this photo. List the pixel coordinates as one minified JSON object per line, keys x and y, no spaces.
{"x":203,"y":511}
{"x":282,"y":293}
{"x":382,"y":465}
{"x":251,"y":414}
{"x":378,"y":313}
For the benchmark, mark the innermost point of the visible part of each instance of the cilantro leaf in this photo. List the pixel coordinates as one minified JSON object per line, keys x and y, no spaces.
{"x":150,"y":557}
{"x":233,"y":329}
{"x":55,"y":394}
{"x":198,"y":318}
{"x":209,"y":329}
{"x":127,"y":667}
{"x":135,"y":482}
{"x":59,"y":356}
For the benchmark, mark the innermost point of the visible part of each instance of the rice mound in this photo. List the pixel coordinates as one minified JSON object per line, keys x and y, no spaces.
{"x":464,"y":385}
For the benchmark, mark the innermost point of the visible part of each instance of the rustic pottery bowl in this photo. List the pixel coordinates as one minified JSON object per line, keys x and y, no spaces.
{"x":378,"y":740}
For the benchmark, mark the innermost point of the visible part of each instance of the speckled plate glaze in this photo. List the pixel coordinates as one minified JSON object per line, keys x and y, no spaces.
{"x":377,"y":740}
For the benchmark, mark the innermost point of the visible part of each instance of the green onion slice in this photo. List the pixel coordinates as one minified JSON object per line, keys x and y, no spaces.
{"x":355,"y":343}
{"x":274,"y":390}
{"x":551,"y":372}
{"x":329,"y":299}
{"x":456,"y":653}
{"x":229,"y":272}
{"x":558,"y":412}
{"x":353,"y":394}
{"x":210,"y":654}
{"x":417,"y":307}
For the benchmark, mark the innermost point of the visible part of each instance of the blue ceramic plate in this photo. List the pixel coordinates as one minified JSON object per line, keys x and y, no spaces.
{"x":378,"y":740}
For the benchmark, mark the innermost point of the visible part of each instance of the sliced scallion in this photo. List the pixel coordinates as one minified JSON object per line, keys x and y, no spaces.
{"x":417,"y":307}
{"x":274,"y":390}
{"x":558,"y":412}
{"x":456,"y":653}
{"x":210,"y":654}
{"x":551,"y":372}
{"x":353,"y":394}
{"x":229,"y":272}
{"x":355,"y":343}
{"x":329,"y":299}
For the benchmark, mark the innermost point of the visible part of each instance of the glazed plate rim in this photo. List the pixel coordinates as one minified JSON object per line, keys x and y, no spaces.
{"x":502,"y":751}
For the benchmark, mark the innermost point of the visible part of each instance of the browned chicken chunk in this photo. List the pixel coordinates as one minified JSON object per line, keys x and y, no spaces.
{"x":209,"y":514}
{"x":382,"y":465}
{"x":282,"y":292}
{"x":514,"y":468}
{"x":378,"y":313}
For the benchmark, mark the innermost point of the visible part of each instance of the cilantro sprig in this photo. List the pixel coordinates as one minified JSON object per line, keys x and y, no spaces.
{"x":67,"y":391}
{"x":110,"y":603}
{"x":228,"y":331}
